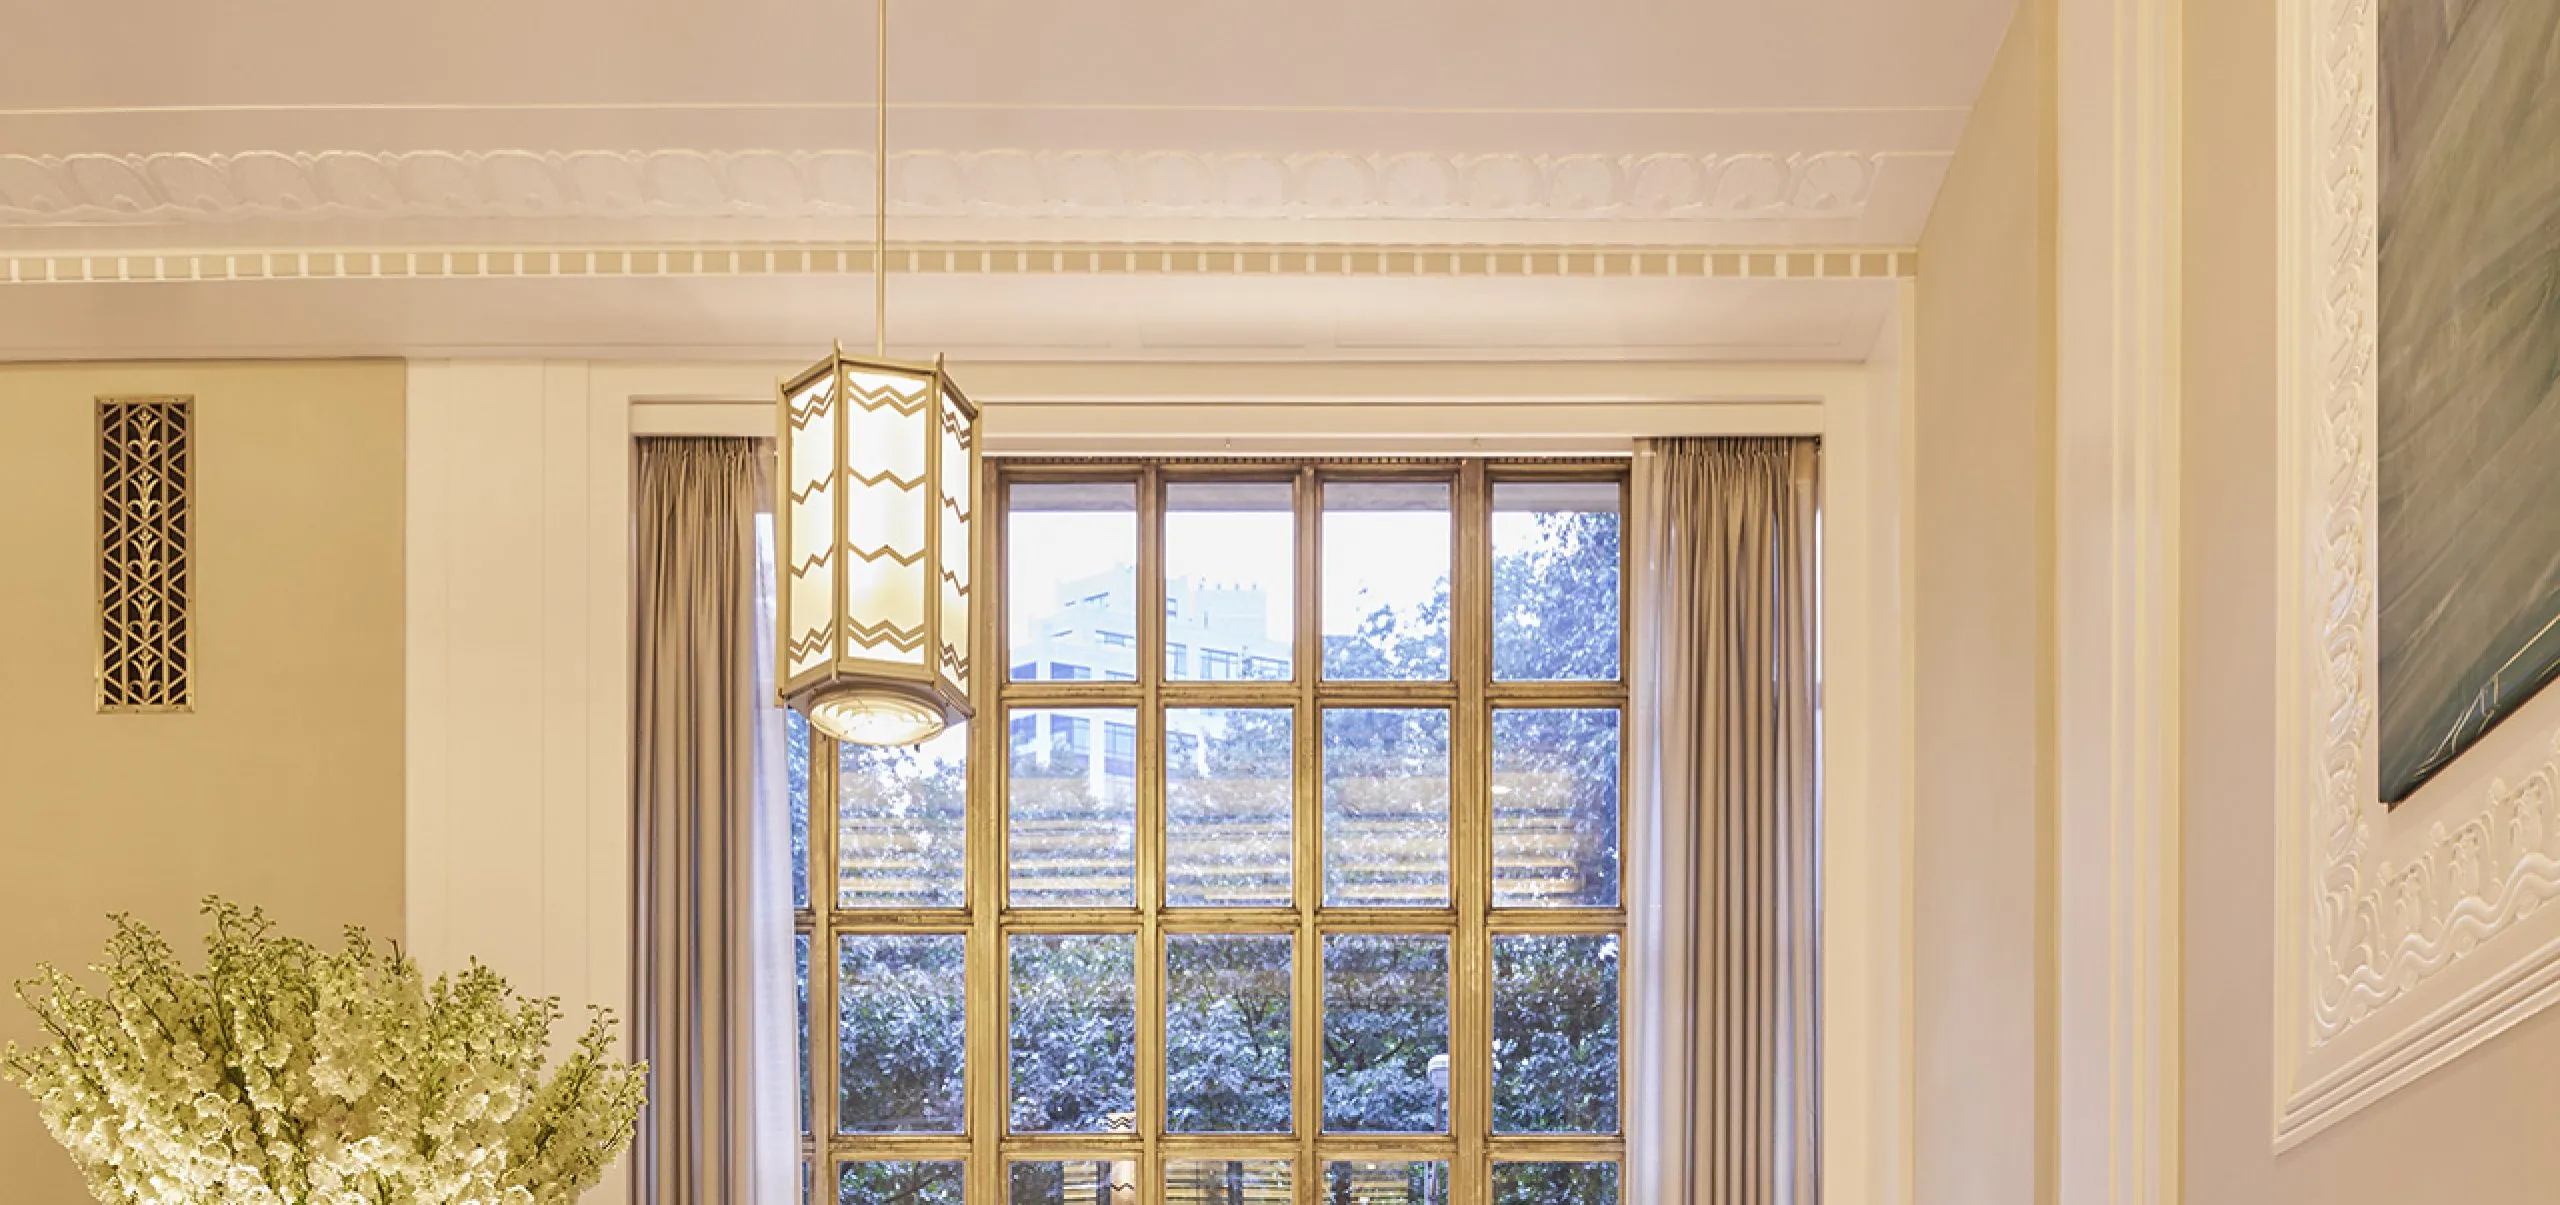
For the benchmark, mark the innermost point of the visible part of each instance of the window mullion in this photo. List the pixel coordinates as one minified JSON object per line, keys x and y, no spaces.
{"x":1151,"y":836}
{"x":983,"y":1052}
{"x":825,"y":1060}
{"x":1471,"y":847}
{"x":1307,"y":871}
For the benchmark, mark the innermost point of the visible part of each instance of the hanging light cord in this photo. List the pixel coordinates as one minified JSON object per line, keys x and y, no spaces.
{"x":880,"y":202}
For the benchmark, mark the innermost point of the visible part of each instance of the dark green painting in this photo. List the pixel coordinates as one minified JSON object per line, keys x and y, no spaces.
{"x":2469,"y":454}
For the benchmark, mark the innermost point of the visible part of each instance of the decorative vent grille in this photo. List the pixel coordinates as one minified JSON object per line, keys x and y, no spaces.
{"x":145,"y":523}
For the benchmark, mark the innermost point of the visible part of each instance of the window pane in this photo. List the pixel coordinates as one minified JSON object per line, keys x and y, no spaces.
{"x":1555,"y":808}
{"x":1120,"y":749}
{"x":1226,"y":1182}
{"x":1363,"y":1182}
{"x":1077,"y":1182}
{"x":800,"y":948}
{"x":795,"y":763}
{"x":1227,"y":807}
{"x":1555,"y":1034}
{"x":1073,"y":824}
{"x":1075,"y":1024}
{"x":1230,"y":562}
{"x":901,"y":1184}
{"x":902,"y":814}
{"x":1386,"y":1018}
{"x":1071,"y":577}
{"x":1386,"y":580}
{"x":1226,"y":1039}
{"x":1555,"y":580}
{"x":1555,"y":1184}
{"x":1386,"y":808}
{"x":902,"y":1031}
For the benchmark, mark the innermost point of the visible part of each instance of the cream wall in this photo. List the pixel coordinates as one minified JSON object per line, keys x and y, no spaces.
{"x":1984,"y":660}
{"x":2480,"y":1128}
{"x":283,"y":787}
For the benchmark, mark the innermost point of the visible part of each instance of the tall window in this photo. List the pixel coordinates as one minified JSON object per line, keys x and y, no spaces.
{"x":1311,"y":897}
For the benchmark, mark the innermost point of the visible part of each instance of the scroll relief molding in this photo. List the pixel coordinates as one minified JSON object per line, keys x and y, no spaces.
{"x":2376,"y":917}
{"x":183,"y":187}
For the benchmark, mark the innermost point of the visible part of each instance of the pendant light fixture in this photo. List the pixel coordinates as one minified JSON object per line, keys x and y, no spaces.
{"x":879,"y":464}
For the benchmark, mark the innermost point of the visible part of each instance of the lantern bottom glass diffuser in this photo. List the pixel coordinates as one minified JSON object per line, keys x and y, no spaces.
{"x":871,"y":716}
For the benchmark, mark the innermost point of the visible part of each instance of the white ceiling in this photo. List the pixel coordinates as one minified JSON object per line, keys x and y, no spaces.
{"x":172,"y":124}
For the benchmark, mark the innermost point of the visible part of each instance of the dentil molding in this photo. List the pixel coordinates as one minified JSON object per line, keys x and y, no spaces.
{"x":955,"y":259}
{"x":185,"y":187}
{"x":2408,"y":935}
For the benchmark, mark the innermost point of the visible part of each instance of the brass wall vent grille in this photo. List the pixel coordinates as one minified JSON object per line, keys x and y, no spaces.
{"x":146,"y":618}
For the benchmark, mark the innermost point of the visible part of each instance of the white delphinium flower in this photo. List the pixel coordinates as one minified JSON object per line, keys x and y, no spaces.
{"x":285,"y":1075}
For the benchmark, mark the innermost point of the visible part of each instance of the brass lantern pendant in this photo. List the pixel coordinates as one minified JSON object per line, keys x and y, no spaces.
{"x":879,"y":463}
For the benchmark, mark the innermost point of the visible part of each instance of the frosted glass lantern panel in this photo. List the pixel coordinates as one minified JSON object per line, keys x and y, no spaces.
{"x":954,"y":511}
{"x":808,"y":603}
{"x":885,"y":512}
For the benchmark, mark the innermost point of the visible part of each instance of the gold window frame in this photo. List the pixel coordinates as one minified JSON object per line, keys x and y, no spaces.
{"x":986,"y":1148}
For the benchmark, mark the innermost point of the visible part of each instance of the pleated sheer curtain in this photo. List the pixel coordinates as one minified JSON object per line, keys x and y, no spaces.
{"x":1728,"y":915}
{"x":714,"y":1010}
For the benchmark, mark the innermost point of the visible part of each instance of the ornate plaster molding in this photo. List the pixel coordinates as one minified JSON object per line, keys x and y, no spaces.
{"x":964,"y":259}
{"x":188,"y":188}
{"x":2403,"y":934}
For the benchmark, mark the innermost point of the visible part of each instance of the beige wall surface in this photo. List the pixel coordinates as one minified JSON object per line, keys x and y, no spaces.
{"x":283,"y":787}
{"x":2479,"y":1130}
{"x":1984,"y":667}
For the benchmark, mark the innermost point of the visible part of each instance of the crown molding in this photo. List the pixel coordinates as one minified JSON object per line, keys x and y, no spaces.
{"x":959,"y":259}
{"x":2407,"y":935}
{"x":188,"y":188}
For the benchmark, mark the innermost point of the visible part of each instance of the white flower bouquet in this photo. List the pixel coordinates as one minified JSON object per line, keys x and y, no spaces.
{"x":286,"y":1075}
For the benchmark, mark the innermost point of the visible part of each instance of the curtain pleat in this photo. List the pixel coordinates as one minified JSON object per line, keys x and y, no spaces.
{"x":1732,"y":606}
{"x":695,"y":727}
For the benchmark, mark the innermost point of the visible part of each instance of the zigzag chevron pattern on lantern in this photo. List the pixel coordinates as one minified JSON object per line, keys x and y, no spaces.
{"x":892,"y":394}
{"x":819,"y":560}
{"x":955,"y":656}
{"x":811,"y":645}
{"x":885,"y":553}
{"x":883,"y":477}
{"x":816,"y":642}
{"x":873,"y":635}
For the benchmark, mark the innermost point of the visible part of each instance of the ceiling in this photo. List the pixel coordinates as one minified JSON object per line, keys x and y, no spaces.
{"x":150,"y":129}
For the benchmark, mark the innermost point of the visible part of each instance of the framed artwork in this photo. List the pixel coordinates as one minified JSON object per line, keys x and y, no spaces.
{"x":2419,"y":392}
{"x":2468,"y":348}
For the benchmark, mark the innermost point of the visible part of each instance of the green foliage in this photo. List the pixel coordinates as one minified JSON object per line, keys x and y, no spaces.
{"x":1555,"y":1034}
{"x":902,"y":1183}
{"x":1386,"y":1004}
{"x":1555,"y":1184}
{"x":1227,"y":1033}
{"x":901,"y":1048}
{"x":1075,"y":1021}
